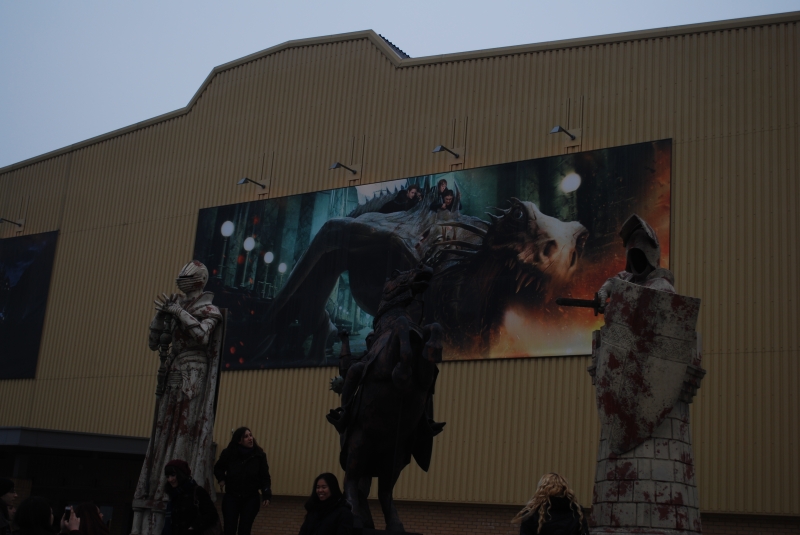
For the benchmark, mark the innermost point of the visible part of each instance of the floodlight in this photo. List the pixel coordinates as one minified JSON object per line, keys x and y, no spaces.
{"x":245,"y":180}
{"x":17,"y":223}
{"x":440,"y":148}
{"x":557,"y":129}
{"x":337,"y":165}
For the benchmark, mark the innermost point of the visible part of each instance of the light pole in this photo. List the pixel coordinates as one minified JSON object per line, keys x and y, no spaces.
{"x":249,"y":243}
{"x":268,"y":258}
{"x":570,"y":184}
{"x":226,"y":230}
{"x":281,"y":270}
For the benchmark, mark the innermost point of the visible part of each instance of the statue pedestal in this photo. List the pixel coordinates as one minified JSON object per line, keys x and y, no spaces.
{"x":646,"y":368}
{"x":148,"y":518}
{"x":651,"y":488}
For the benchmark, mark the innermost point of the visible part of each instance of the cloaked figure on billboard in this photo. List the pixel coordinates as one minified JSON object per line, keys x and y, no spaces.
{"x":504,"y":241}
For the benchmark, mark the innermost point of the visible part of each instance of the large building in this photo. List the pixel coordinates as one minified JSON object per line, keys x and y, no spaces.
{"x":126,"y":206}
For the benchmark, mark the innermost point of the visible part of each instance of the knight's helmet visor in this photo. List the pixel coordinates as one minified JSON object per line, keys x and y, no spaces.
{"x":637,"y":234}
{"x":192,"y":277}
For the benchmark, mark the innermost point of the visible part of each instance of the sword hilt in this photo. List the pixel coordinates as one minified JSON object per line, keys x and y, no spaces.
{"x":595,"y":303}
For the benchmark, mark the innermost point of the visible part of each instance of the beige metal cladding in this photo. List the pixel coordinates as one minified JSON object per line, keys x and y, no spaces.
{"x":727,"y":94}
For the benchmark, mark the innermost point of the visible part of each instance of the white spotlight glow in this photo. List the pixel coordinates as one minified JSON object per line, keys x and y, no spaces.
{"x":269,"y":257}
{"x":570,"y":183}
{"x":249,"y":243}
{"x":281,"y":268}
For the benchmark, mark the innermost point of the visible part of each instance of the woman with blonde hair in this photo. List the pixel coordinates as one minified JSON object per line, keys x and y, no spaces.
{"x":553,"y":510}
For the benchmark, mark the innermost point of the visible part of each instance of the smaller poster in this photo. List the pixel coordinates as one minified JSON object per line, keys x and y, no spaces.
{"x":26,"y":264}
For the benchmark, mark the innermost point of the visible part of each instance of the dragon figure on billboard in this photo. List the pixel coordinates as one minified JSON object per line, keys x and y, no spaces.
{"x":481,"y":268}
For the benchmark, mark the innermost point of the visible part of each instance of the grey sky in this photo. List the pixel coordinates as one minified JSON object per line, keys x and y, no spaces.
{"x":72,"y":70}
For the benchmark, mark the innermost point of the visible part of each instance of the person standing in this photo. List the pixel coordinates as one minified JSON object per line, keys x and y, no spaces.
{"x":242,"y":471}
{"x":193,"y":512}
{"x":92,"y":522}
{"x":553,"y":510}
{"x":35,"y":517}
{"x":328,"y":513}
{"x":7,"y":497}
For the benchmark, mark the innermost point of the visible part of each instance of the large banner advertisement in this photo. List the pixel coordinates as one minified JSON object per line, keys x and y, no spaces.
{"x":504,"y":242}
{"x":26,"y":263}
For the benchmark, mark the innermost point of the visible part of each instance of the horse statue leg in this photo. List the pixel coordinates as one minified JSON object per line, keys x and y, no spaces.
{"x":355,"y":485}
{"x":385,"y":497}
{"x":364,"y":485}
{"x":351,"y":495}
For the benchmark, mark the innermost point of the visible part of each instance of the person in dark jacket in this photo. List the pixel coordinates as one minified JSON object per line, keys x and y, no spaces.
{"x":553,"y":510}
{"x":193,"y":512}
{"x":7,"y":497}
{"x":35,"y":517}
{"x":92,"y":522}
{"x":328,"y":513}
{"x":242,"y":471}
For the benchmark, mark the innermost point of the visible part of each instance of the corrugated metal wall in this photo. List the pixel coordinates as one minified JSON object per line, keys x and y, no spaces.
{"x":127,"y":205}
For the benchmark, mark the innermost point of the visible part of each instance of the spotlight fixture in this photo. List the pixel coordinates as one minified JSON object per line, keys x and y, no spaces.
{"x":245,"y":180}
{"x":557,"y":129}
{"x":440,"y":148}
{"x":17,"y":223}
{"x":337,"y":165}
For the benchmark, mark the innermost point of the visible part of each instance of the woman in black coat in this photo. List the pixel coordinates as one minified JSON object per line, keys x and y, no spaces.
{"x":553,"y":510}
{"x":242,"y":471}
{"x":7,"y":497}
{"x":193,"y":512}
{"x":328,"y":512}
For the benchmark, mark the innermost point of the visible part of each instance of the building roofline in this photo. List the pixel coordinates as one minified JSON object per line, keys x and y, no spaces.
{"x":391,"y":55}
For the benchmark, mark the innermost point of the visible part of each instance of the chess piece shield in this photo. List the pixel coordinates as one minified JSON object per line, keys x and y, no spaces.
{"x":640,"y":358}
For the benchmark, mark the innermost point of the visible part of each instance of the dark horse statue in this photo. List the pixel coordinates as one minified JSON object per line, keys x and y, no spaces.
{"x":387,"y":397}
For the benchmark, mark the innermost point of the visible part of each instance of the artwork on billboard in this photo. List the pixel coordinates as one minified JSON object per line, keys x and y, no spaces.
{"x":26,"y":263}
{"x":504,"y":241}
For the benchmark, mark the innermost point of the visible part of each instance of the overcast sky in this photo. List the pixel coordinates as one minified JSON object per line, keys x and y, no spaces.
{"x":71,"y":70}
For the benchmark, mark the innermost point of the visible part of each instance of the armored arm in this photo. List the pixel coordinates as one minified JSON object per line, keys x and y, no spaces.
{"x":607,"y":288}
{"x":156,"y":327}
{"x":199,"y":330}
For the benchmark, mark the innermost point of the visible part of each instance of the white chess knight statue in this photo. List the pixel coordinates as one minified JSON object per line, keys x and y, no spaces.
{"x":646,"y":368}
{"x":187,"y":331}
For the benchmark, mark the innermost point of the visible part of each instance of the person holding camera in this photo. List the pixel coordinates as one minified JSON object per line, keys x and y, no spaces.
{"x":91,"y":519}
{"x":242,"y":471}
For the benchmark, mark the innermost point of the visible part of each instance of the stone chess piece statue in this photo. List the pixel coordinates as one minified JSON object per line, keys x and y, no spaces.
{"x":187,"y":331}
{"x":646,"y":370}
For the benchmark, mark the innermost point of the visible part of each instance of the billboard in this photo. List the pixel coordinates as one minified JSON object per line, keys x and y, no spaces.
{"x":504,"y":241}
{"x":26,"y":263}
